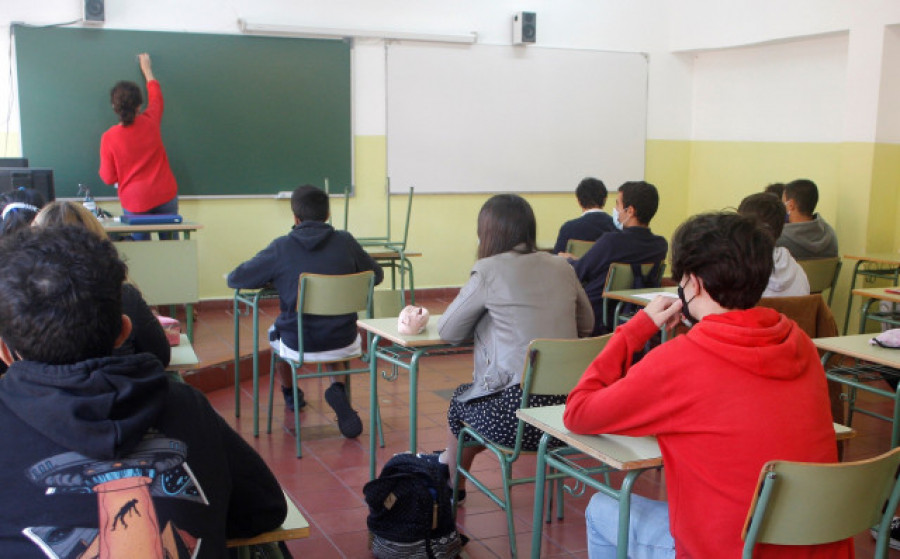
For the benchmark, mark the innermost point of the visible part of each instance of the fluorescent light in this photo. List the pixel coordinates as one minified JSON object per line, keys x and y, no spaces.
{"x":333,"y":33}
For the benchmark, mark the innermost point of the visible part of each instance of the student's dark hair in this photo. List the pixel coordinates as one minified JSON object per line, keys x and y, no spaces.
{"x":729,"y":252}
{"x":643,"y":196}
{"x":505,"y":220}
{"x":804,"y":193}
{"x":310,"y":203}
{"x":19,"y":216}
{"x":767,"y":209}
{"x":591,"y":193}
{"x":60,"y":294}
{"x":776,"y":188}
{"x":126,"y":100}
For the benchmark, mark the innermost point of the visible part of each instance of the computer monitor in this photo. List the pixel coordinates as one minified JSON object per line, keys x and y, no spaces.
{"x":41,"y":180}
{"x":13,"y":162}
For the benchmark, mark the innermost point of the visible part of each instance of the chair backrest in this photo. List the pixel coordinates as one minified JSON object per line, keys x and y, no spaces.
{"x":621,"y":276}
{"x":387,"y":303}
{"x":556,"y":366}
{"x":822,"y":274}
{"x":326,"y":295}
{"x":578,"y":248}
{"x":800,"y":503}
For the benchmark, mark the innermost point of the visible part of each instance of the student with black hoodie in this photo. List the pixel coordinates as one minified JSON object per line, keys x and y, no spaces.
{"x":312,"y":246}
{"x":103,"y":456}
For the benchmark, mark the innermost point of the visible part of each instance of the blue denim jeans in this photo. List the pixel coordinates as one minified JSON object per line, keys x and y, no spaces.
{"x":648,"y":531}
{"x":170,"y":207}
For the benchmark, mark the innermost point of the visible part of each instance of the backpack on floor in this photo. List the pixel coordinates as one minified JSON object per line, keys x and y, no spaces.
{"x":410,"y":513}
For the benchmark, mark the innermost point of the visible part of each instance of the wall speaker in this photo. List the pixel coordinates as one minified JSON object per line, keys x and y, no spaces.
{"x":94,"y":11}
{"x":524,"y":28}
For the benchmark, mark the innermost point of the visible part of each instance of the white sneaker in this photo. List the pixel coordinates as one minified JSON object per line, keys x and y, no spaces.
{"x":894,"y":542}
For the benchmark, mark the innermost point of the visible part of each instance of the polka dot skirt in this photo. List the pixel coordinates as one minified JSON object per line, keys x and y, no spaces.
{"x":494,"y":416}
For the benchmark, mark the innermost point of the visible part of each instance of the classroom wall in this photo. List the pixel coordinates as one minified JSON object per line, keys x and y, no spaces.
{"x":741,"y":93}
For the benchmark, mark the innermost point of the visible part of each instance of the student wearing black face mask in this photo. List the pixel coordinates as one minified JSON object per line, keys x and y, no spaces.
{"x":742,"y":387}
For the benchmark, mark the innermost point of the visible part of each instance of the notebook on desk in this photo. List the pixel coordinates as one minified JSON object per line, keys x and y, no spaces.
{"x":151,"y":219}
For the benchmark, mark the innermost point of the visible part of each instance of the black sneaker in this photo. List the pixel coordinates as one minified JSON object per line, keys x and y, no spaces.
{"x":289,"y":398}
{"x":894,"y":542}
{"x":348,"y":420}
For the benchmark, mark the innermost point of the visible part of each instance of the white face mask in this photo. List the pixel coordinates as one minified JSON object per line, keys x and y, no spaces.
{"x":615,"y":216}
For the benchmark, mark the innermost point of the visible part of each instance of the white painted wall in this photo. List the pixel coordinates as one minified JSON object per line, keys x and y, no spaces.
{"x":783,"y":92}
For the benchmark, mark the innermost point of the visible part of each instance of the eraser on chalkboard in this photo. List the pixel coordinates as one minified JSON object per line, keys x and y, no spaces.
{"x":283,"y":194}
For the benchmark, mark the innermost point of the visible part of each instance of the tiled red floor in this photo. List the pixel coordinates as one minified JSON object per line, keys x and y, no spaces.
{"x":327,"y":482}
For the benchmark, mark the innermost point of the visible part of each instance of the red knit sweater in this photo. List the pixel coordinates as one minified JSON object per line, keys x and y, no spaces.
{"x":134,"y":157}
{"x":739,"y":389}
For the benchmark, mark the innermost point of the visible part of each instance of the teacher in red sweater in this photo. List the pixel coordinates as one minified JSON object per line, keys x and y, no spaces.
{"x":132,"y":152}
{"x":742,"y":387}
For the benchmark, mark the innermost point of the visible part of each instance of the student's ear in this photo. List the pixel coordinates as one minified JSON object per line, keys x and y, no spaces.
{"x":5,"y":354}
{"x":296,"y":220}
{"x":126,"y":330}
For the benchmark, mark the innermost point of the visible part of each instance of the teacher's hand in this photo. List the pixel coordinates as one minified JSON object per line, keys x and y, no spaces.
{"x":146,"y":68}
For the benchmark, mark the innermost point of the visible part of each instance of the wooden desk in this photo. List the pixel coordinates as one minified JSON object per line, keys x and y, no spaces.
{"x":871,"y":295}
{"x":167,"y":272}
{"x":633,"y":455}
{"x":405,"y":353}
{"x":183,"y":357}
{"x":884,"y":265}
{"x":294,"y":527}
{"x":880,"y":360}
{"x":639,"y":297}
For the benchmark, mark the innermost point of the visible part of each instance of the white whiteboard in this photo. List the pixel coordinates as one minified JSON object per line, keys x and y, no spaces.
{"x":486,"y":118}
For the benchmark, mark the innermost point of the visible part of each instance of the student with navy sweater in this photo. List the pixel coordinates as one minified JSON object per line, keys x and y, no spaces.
{"x":593,"y":223}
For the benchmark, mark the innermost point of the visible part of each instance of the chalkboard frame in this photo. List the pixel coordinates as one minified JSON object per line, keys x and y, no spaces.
{"x":243,"y":115}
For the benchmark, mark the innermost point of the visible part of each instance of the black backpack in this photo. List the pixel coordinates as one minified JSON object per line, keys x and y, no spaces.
{"x":410,"y":513}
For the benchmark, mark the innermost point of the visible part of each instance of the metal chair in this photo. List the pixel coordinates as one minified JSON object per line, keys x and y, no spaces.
{"x":578,"y":248}
{"x":800,"y":503}
{"x":822,"y":274}
{"x":551,"y":367}
{"x":325,"y":295}
{"x":622,"y":276}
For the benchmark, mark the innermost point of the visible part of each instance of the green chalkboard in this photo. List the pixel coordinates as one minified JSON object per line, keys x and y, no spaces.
{"x":243,"y":115}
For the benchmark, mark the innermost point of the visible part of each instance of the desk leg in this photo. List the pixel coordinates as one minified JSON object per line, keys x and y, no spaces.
{"x":540,"y":481}
{"x":414,"y":399}
{"x":625,"y":512}
{"x":189,"y":312}
{"x":373,"y":398}
{"x":895,"y":428}
{"x":256,"y":368}
{"x":864,"y":313}
{"x":850,"y":295}
{"x":237,"y":358}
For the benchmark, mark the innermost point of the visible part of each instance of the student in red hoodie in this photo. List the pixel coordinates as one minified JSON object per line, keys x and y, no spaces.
{"x":132,"y":152}
{"x":742,"y":387}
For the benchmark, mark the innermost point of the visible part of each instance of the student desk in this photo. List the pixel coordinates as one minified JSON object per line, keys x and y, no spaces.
{"x":639,"y":297}
{"x":294,"y":527}
{"x":633,"y":455}
{"x":879,"y":360}
{"x":250,"y":298}
{"x":167,"y":272}
{"x":405,"y":352}
{"x":870,"y":296}
{"x":878,"y":265}
{"x":183,"y":357}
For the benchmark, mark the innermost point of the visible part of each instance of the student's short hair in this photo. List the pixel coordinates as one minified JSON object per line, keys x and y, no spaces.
{"x":729,"y":252}
{"x":643,"y":197}
{"x":310,"y":203}
{"x":28,"y":202}
{"x":60,"y":294}
{"x":591,"y":193}
{"x":505,"y":221}
{"x":804,"y":193}
{"x":776,"y":188}
{"x":767,"y":209}
{"x":59,"y":213}
{"x":126,"y":99}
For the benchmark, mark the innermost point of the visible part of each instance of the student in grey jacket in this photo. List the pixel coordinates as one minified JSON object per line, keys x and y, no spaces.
{"x":514,"y":295}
